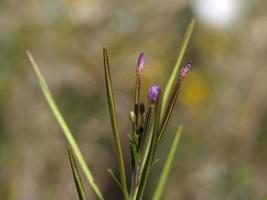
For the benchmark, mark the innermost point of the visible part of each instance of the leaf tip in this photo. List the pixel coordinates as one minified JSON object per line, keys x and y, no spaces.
{"x":29,"y":55}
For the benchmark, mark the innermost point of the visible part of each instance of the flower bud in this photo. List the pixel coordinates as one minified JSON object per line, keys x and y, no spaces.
{"x":132,"y":117}
{"x":185,"y":70}
{"x":153,"y":93}
{"x":140,"y":63}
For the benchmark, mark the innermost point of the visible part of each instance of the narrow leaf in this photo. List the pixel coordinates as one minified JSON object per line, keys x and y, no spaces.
{"x":170,"y":106}
{"x":148,"y":131}
{"x":76,"y":176}
{"x":167,"y":166}
{"x":175,"y":71}
{"x":115,"y":178}
{"x":73,"y":144}
{"x":114,"y":124}
{"x":155,"y":162}
{"x":151,"y":152}
{"x":144,"y":135}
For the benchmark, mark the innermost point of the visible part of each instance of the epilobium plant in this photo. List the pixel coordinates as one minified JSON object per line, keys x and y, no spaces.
{"x":148,"y":121}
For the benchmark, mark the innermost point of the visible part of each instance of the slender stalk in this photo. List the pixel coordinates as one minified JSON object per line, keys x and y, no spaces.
{"x":137,"y":89}
{"x":142,"y":152}
{"x":76,"y":176}
{"x":115,"y":178}
{"x":136,"y":133}
{"x":151,"y":153}
{"x":175,"y":71}
{"x":75,"y":148}
{"x":136,"y":103}
{"x":167,"y":115}
{"x":146,"y":124}
{"x":114,"y":124}
{"x":167,"y":166}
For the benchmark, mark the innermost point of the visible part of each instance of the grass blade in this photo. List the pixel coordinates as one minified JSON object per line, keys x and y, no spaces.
{"x":76,"y":176}
{"x":166,"y":168}
{"x":73,"y":144}
{"x":114,"y":124}
{"x":174,"y":74}
{"x":115,"y":178}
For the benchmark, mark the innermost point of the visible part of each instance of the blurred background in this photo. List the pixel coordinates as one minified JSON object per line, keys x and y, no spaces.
{"x":222,"y":105}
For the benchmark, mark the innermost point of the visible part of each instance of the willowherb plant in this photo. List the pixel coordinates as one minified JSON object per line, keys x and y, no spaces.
{"x":148,"y":121}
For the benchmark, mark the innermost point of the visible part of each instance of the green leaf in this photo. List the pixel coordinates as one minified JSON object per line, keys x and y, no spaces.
{"x":73,"y":144}
{"x":143,"y":140}
{"x":76,"y":176}
{"x":114,"y":124}
{"x":148,"y":134}
{"x":134,"y":152}
{"x":167,"y":166}
{"x":174,"y":74}
{"x":115,"y":178}
{"x":155,"y":162}
{"x":151,"y":152}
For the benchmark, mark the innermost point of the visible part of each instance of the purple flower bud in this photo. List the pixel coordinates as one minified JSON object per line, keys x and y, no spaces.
{"x":185,"y":70}
{"x":153,"y":93}
{"x":140,"y":63}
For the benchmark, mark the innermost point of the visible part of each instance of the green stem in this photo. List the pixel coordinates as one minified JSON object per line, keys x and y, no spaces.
{"x":114,"y":124}
{"x":146,"y":124}
{"x":136,"y":102}
{"x":167,"y":115}
{"x":167,"y":166}
{"x":137,"y":89}
{"x":151,"y":153}
{"x":76,"y":176}
{"x":143,"y":151}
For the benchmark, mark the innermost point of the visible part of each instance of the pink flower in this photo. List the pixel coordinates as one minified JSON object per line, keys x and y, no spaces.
{"x":140,"y":63}
{"x":153,"y":93}
{"x":185,"y":70}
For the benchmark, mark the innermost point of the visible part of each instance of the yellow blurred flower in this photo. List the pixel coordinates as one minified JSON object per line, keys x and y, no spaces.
{"x":195,"y":90}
